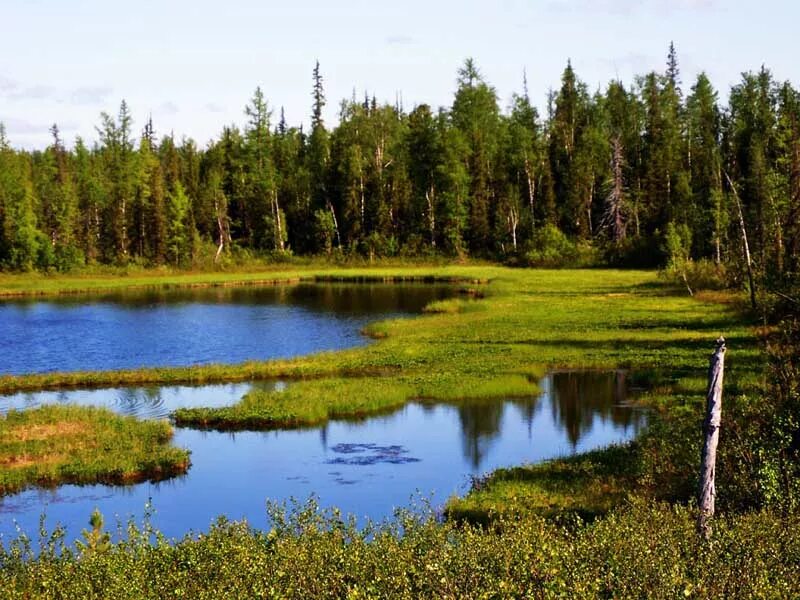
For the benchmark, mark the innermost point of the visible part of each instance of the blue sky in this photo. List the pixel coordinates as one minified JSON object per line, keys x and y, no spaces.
{"x":194,"y":64}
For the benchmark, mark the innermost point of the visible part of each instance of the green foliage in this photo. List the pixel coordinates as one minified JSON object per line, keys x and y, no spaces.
{"x":69,"y":444}
{"x":682,"y":270}
{"x":551,"y":248}
{"x":324,"y":230}
{"x":642,"y":551}
{"x":95,"y":540}
{"x":677,"y":242}
{"x":178,"y":235}
{"x":611,"y":170}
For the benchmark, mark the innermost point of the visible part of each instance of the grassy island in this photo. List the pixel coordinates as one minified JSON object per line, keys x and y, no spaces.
{"x":53,"y":445}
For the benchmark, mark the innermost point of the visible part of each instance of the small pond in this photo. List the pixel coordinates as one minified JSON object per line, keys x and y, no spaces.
{"x":366,"y":468}
{"x":180,"y":327}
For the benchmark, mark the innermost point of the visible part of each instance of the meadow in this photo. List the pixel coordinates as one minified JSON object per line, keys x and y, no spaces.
{"x":574,"y":527}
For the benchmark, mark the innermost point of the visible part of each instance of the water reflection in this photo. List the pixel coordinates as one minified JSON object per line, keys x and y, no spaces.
{"x":480,"y":425}
{"x":578,"y":400}
{"x":152,"y":402}
{"x":366,"y":467}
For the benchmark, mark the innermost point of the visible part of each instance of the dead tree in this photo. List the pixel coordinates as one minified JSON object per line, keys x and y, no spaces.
{"x":223,"y":228}
{"x":746,"y":246}
{"x":613,"y":215}
{"x":707,"y":491}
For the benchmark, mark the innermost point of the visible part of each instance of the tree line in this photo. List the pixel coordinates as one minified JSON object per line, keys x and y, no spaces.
{"x":634,"y":174}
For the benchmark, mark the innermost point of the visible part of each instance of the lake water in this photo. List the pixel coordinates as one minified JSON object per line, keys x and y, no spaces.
{"x":366,"y":468}
{"x":197,"y":326}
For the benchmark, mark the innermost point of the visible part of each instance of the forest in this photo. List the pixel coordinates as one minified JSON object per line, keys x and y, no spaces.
{"x":637,"y":175}
{"x":658,"y":173}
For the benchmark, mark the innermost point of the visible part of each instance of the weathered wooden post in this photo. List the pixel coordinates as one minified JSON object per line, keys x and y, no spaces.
{"x":711,"y":425}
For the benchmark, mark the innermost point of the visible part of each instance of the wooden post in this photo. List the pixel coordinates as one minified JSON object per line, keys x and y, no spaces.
{"x":707,"y":492}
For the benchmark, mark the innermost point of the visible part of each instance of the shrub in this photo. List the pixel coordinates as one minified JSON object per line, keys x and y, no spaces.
{"x":551,"y":248}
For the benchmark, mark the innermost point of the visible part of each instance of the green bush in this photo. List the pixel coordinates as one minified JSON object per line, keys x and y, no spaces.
{"x":642,"y":551}
{"x":551,"y":248}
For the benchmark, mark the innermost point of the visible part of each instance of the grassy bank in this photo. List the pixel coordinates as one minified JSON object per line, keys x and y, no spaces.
{"x":592,"y":525}
{"x":53,"y":445}
{"x":526,"y":322}
{"x":498,"y":343}
{"x":21,"y":285}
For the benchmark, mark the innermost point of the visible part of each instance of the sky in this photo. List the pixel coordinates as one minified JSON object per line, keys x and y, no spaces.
{"x":193,"y":65}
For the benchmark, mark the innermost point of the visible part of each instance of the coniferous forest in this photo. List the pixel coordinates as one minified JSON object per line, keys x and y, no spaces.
{"x":642,"y":173}
{"x":669,"y":178}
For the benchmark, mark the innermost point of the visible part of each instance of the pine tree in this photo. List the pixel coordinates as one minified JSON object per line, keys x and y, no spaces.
{"x":318,"y":155}
{"x":708,"y":218}
{"x":179,"y":237}
{"x":476,"y":115}
{"x":524,"y":158}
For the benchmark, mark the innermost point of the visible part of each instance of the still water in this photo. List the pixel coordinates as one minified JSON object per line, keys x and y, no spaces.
{"x":198,"y":326}
{"x":366,"y":468}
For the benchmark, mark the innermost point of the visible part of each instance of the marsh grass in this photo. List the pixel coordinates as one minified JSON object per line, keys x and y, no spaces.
{"x":494,"y":344}
{"x":585,"y":526}
{"x":52,"y":445}
{"x":587,"y":485}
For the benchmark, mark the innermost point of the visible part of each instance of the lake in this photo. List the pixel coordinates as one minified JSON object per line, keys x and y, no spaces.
{"x":184,"y":327}
{"x":367,"y":468}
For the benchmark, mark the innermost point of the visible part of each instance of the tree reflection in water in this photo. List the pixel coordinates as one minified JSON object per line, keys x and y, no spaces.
{"x":576,"y":400}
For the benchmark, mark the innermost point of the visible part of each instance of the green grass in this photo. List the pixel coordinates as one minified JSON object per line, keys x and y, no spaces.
{"x":497,"y":341}
{"x":587,"y":485}
{"x":109,"y":279}
{"x":53,"y":445}
{"x":586,"y":526}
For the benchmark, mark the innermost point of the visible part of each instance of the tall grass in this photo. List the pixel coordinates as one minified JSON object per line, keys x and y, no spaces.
{"x":52,"y":445}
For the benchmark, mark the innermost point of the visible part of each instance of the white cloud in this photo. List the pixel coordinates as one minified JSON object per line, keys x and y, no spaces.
{"x":168,"y":108}
{"x":627,"y":6}
{"x":7,"y":85}
{"x":35,"y":92}
{"x":90,"y":95}
{"x":399,"y":40}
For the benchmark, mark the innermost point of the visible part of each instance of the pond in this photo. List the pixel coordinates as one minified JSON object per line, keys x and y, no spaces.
{"x":366,"y":468}
{"x":181,"y":327}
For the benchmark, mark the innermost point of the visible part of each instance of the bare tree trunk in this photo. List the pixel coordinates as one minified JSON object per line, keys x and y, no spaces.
{"x":278,"y":224}
{"x":124,"y":223}
{"x":613,"y":216}
{"x":707,"y":492}
{"x":361,"y":197}
{"x":531,"y":190}
{"x":335,"y":225}
{"x":513,"y":222}
{"x":221,"y":245}
{"x":431,"y":216}
{"x":222,"y":228}
{"x":748,"y":260}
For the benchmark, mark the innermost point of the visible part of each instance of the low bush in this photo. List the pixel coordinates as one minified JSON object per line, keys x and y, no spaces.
{"x":640,"y":551}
